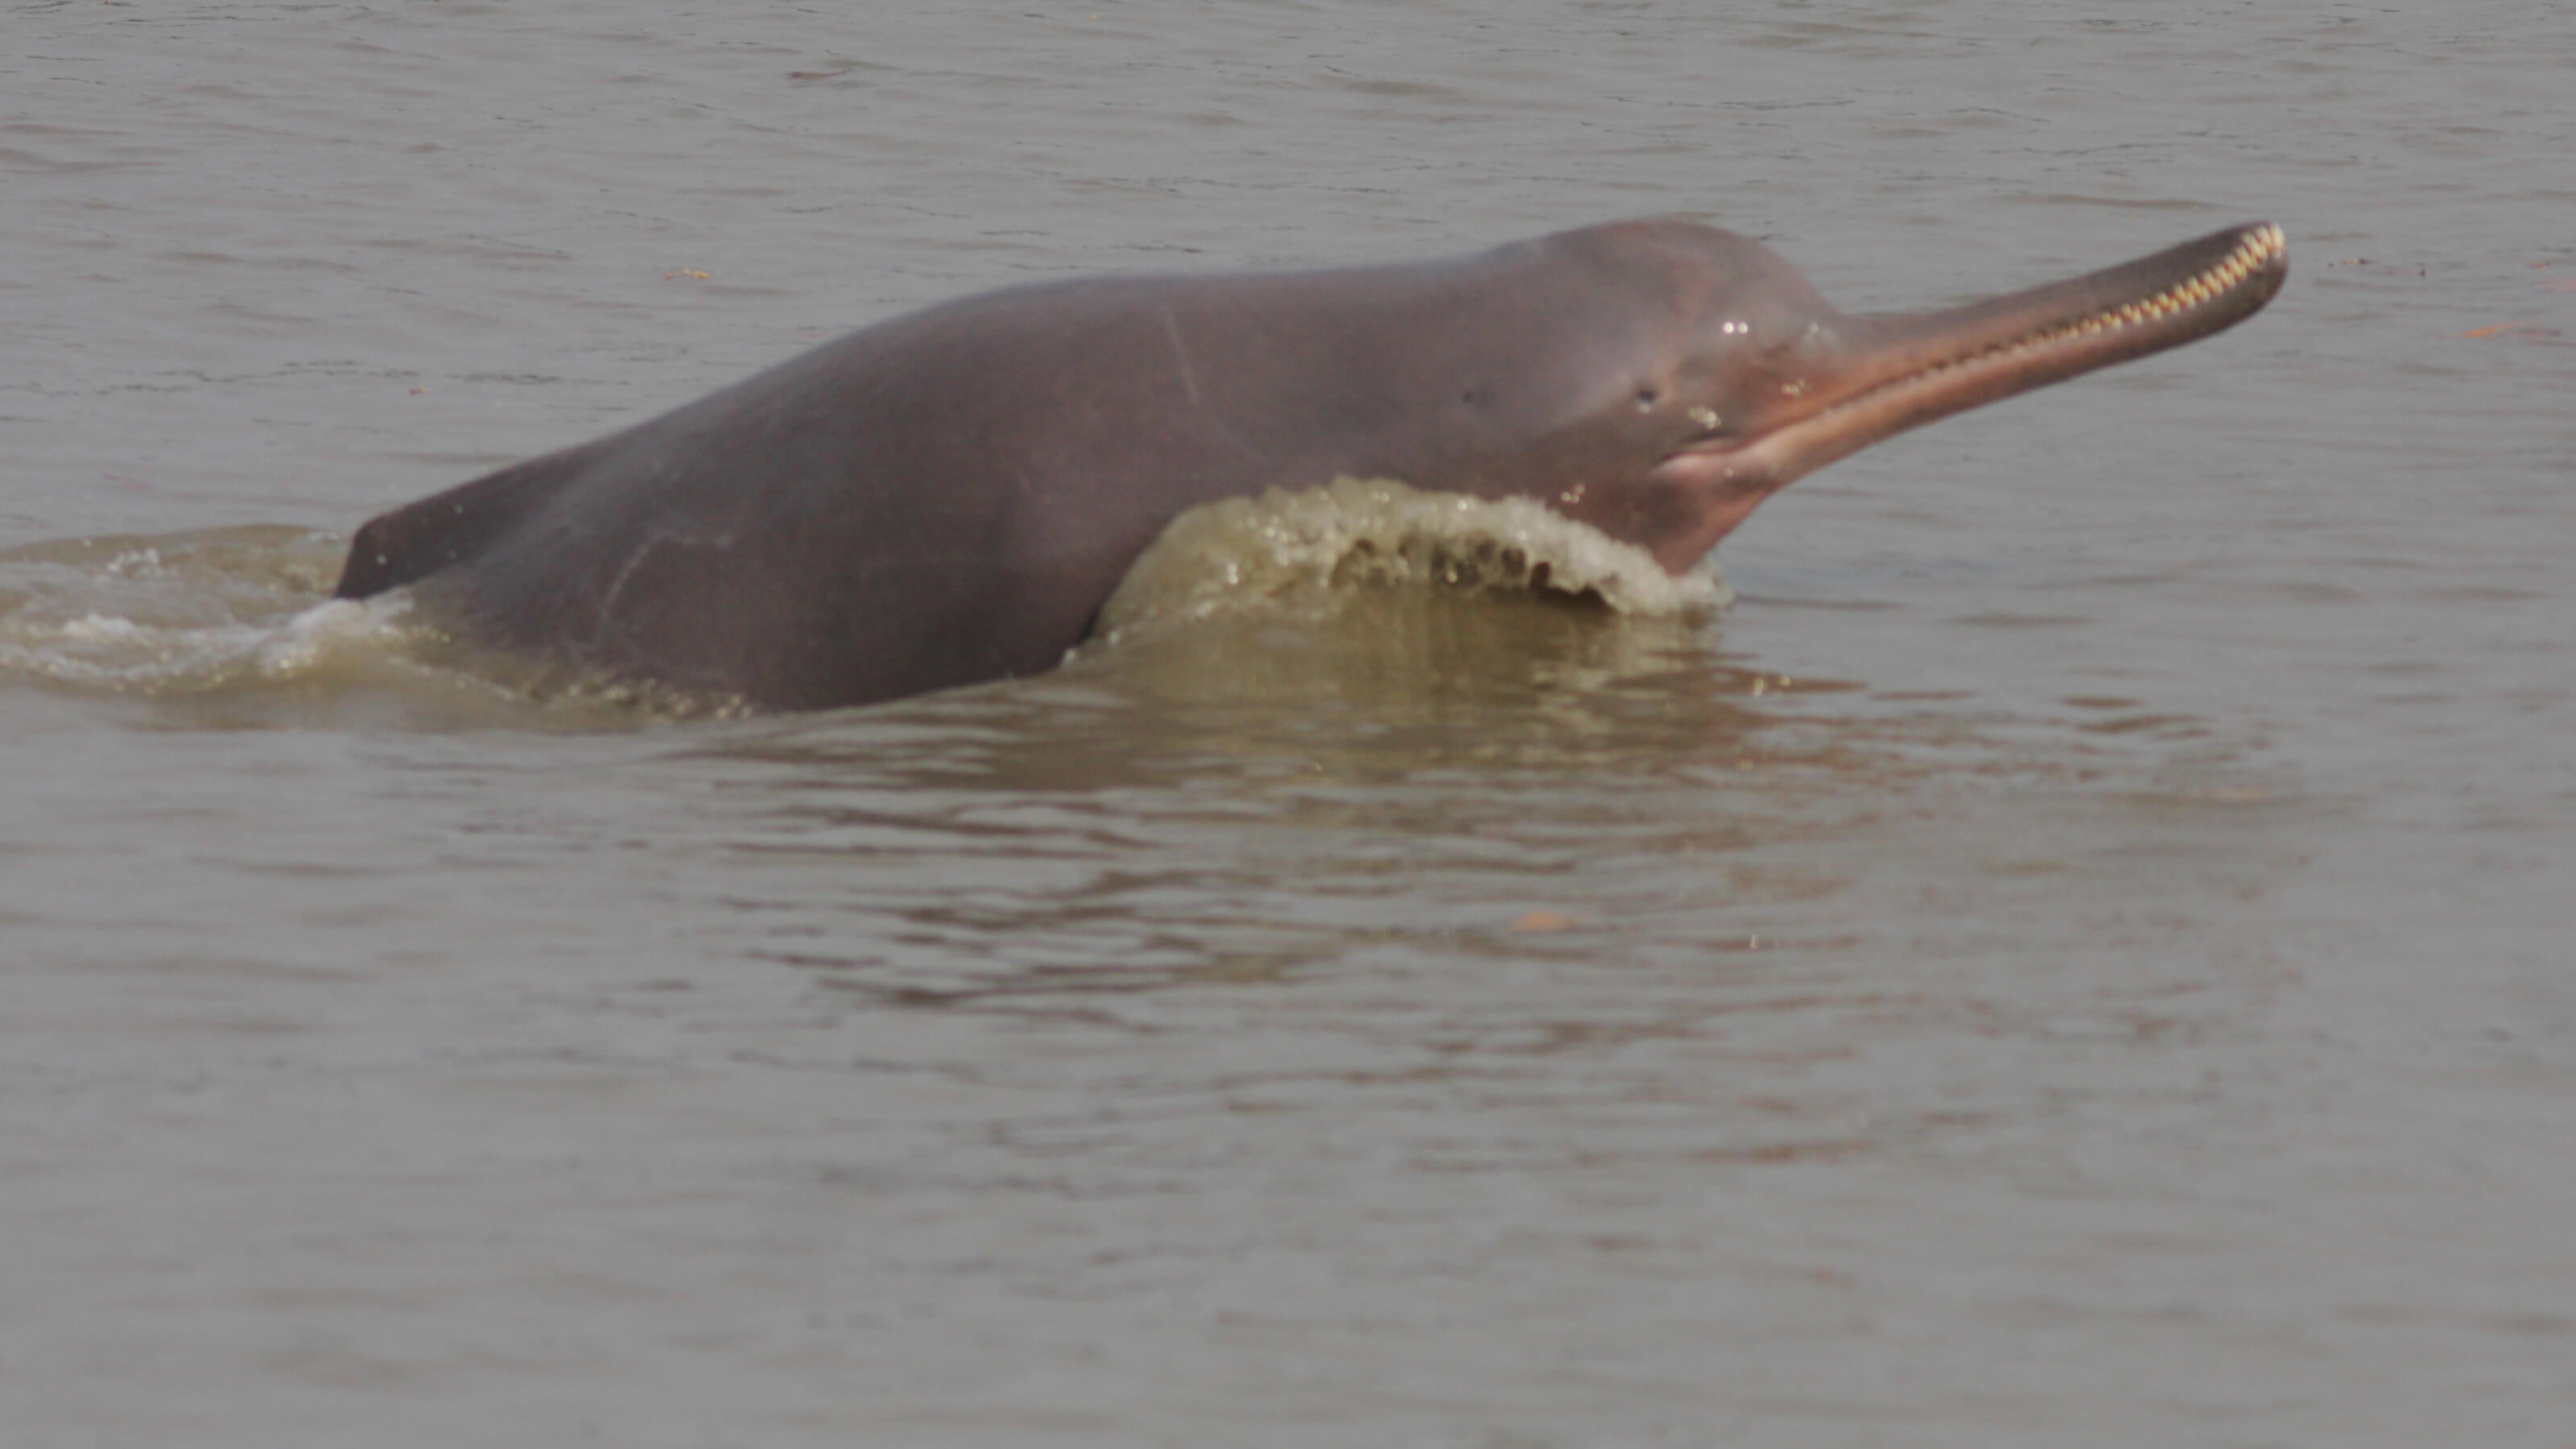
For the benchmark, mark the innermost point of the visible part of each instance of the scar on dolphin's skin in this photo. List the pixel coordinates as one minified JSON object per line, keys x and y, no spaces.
{"x":1181,"y":357}
{"x":950,"y":496}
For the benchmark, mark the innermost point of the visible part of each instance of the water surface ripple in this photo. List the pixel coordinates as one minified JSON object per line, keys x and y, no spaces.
{"x":2077,"y":954}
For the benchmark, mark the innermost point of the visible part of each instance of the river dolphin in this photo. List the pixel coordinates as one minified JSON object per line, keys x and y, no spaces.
{"x":951,"y":496}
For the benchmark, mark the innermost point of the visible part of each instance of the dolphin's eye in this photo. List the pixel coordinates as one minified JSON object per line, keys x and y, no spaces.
{"x":1647,"y":397}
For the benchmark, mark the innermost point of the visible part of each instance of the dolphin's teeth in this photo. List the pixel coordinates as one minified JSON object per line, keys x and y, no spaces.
{"x":2258,"y":248}
{"x":2261,"y":245}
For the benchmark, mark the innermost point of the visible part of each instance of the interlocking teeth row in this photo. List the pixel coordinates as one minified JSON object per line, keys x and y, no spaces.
{"x":2261,"y":246}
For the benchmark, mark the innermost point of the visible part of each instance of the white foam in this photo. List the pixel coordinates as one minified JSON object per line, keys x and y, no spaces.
{"x":304,"y":643}
{"x":182,"y":614}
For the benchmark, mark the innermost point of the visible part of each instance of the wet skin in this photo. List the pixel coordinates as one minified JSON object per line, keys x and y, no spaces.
{"x":950,"y":496}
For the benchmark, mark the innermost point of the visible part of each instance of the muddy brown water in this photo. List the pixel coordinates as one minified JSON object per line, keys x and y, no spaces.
{"x":2079,"y":952}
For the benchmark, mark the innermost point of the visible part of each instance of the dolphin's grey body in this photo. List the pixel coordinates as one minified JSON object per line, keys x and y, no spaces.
{"x":950,"y":496}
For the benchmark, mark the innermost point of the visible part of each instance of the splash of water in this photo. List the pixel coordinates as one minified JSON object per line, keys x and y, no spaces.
{"x":1258,"y":553}
{"x":184,"y":613}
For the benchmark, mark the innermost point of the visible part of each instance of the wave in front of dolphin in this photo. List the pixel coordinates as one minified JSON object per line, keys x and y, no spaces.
{"x":1262,"y":553}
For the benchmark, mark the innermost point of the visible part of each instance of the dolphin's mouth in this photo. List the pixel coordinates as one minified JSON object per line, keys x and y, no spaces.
{"x":1857,"y":380}
{"x":2257,"y":249}
{"x":1894,"y":372}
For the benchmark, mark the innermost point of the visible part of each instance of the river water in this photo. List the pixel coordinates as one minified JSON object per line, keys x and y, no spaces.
{"x":2083,"y":951}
